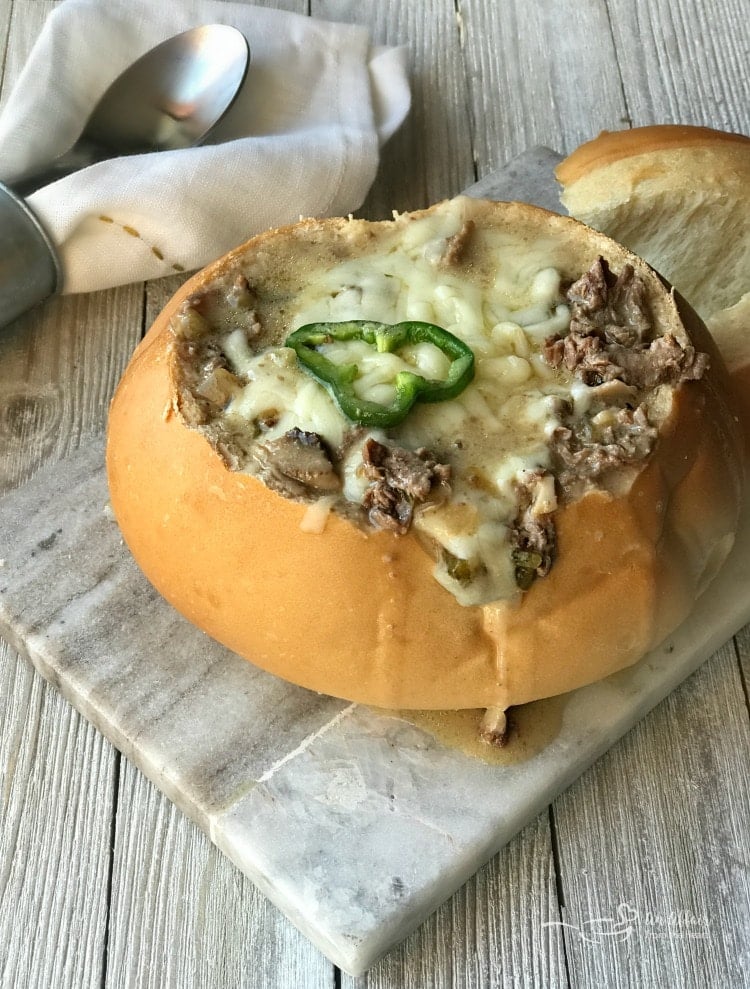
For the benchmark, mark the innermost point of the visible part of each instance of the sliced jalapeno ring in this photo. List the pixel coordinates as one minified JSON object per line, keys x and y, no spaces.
{"x":410,"y":387}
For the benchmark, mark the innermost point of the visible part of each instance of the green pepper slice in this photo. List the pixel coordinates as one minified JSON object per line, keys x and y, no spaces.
{"x":339,"y":379}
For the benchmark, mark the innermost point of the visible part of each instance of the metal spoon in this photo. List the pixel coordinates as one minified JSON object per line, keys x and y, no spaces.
{"x":170,"y":98}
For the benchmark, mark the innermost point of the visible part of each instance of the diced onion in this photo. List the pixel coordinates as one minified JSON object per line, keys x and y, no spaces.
{"x":316,"y":515}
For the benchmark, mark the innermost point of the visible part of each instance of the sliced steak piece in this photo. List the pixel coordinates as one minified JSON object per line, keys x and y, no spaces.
{"x":399,"y":479}
{"x":610,"y":336}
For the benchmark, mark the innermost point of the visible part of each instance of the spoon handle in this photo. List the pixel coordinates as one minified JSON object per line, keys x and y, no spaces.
{"x":29,"y":268}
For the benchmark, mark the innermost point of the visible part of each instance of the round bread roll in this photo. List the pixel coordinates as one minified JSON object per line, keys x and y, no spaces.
{"x":678,"y":196}
{"x":537,"y":531}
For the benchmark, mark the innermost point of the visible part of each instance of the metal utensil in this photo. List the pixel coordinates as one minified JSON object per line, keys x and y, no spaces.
{"x":29,"y":269}
{"x":171,"y":98}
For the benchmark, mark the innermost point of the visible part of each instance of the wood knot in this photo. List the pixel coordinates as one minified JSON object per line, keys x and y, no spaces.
{"x":28,"y":418}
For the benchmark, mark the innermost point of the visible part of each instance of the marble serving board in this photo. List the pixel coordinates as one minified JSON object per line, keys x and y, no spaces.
{"x":278,"y":777}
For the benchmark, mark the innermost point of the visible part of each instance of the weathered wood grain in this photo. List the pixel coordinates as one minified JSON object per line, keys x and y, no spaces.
{"x":490,"y":934}
{"x":56,"y":775}
{"x":24,"y":19}
{"x":5,"y":11}
{"x":536,"y":79}
{"x":684,"y":62}
{"x":58,"y":366}
{"x":182,"y":915}
{"x":658,"y":833}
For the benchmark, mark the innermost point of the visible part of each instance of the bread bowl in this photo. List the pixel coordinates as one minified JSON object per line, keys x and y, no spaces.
{"x":312,"y":571}
{"x":678,"y":196}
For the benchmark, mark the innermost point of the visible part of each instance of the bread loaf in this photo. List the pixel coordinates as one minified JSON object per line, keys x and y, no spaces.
{"x":538,"y":530}
{"x":678,"y":196}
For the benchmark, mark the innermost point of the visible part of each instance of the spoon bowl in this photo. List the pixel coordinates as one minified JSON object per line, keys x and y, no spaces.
{"x":174,"y":95}
{"x":170,"y":98}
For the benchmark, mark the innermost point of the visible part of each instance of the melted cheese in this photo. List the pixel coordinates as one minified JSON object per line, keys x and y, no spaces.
{"x":498,"y":429}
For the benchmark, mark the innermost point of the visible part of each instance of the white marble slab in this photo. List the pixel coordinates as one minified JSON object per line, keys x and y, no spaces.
{"x":280,"y":778}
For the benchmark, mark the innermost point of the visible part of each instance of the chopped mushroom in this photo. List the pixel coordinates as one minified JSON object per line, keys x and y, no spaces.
{"x":219,"y":385}
{"x":299,"y":460}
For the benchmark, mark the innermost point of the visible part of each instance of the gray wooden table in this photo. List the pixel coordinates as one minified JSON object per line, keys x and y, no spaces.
{"x":103,"y":882}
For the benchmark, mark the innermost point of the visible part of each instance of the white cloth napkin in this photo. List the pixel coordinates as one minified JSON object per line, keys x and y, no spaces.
{"x":303,"y":138}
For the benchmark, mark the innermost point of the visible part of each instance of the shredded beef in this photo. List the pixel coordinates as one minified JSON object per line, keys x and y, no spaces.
{"x":585,"y":356}
{"x":610,"y":344}
{"x":592,"y":449}
{"x":456,"y":245}
{"x":533,"y":531}
{"x":664,"y":362}
{"x":609,"y":336}
{"x":613,"y":307}
{"x":399,"y":479}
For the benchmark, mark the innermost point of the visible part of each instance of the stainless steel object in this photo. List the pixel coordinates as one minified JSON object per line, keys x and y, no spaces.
{"x":29,"y":269}
{"x":171,"y":98}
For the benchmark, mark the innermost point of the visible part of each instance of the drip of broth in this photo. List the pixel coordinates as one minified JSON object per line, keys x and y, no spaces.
{"x":531,"y":728}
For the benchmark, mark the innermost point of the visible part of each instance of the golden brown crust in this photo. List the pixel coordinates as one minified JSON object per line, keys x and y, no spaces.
{"x":360,"y":615}
{"x":614,"y":146}
{"x":680,"y":198}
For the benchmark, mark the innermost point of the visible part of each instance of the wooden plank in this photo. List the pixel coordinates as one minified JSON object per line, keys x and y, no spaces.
{"x":58,"y":366}
{"x":430,"y":157}
{"x":25,"y":19}
{"x":535,"y":77}
{"x":666,"y":857}
{"x":684,"y":62}
{"x":182,"y":915}
{"x":490,"y":934}
{"x":482,"y":936}
{"x":56,"y":776}
{"x":6,"y":6}
{"x":656,"y":836}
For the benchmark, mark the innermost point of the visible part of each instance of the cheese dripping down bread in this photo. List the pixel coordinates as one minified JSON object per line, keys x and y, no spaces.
{"x":540,"y":528}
